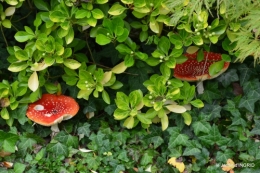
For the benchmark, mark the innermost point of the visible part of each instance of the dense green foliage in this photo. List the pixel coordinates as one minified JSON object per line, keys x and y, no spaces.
{"x":117,"y":59}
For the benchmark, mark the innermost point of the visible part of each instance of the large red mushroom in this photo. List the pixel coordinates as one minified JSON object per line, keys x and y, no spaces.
{"x":51,"y":109}
{"x":194,"y":71}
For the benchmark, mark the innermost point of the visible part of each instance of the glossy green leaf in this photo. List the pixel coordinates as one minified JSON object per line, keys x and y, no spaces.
{"x":72,"y":64}
{"x":116,"y":9}
{"x":22,"y":36}
{"x":121,"y":114}
{"x":102,"y":39}
{"x":97,"y":13}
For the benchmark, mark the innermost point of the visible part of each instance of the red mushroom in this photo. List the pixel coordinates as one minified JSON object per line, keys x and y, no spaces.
{"x":51,"y":109}
{"x":192,"y":70}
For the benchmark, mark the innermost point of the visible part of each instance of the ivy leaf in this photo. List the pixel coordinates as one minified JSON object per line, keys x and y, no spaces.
{"x":156,"y":140}
{"x":231,"y":107}
{"x":213,"y":137}
{"x":67,"y":139}
{"x":245,"y":73}
{"x":19,"y":167}
{"x":248,"y":103}
{"x":93,"y":162}
{"x":58,"y":148}
{"x":177,"y":138}
{"x":118,"y":169}
{"x":201,"y":126}
{"x":239,"y":122}
{"x":213,"y":111}
{"x":227,"y":78}
{"x":8,"y":141}
{"x":211,"y":92}
{"x":222,"y":157}
{"x":191,"y":151}
{"x":84,"y":129}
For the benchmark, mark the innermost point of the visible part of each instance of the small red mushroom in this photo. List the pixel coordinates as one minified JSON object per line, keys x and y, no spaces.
{"x":51,"y":109}
{"x":194,"y":71}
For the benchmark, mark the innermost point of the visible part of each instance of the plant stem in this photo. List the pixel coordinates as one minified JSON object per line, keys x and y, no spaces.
{"x":4,"y":36}
{"x":90,"y":52}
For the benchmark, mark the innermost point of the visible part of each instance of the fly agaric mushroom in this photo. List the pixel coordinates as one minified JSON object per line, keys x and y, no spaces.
{"x":51,"y":109}
{"x":194,"y":71}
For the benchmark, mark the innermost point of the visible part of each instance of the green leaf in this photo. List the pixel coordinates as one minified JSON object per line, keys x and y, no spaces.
{"x":191,"y":151}
{"x":6,"y":23}
{"x":164,"y":45}
{"x":197,"y":103}
{"x":122,"y":48}
{"x":211,"y":111}
{"x":106,"y":97}
{"x":197,"y":40}
{"x":122,"y":101}
{"x":67,"y":139}
{"x":57,"y":16}
{"x":8,"y":141}
{"x":154,"y":26}
{"x":135,"y":97}
{"x":102,"y":39}
{"x":58,"y":149}
{"x":70,"y":36}
{"x":228,"y":77}
{"x":21,"y":55}
{"x":19,"y":167}
{"x":177,"y":138}
{"x":120,"y":114}
{"x":215,"y":68}
{"x":72,"y":64}
{"x":81,"y":13}
{"x":129,"y":122}
{"x":144,"y":119}
{"x":129,"y":60}
{"x":97,"y":13}
{"x":116,"y":9}
{"x":201,"y":126}
{"x":187,"y":118}
{"x":213,"y":39}
{"x":84,"y":129}
{"x":41,"y":5}
{"x":248,"y":103}
{"x":18,"y":66}
{"x":22,"y":36}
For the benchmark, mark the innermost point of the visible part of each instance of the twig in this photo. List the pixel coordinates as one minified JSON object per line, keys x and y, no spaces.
{"x":90,"y":52}
{"x":4,"y":36}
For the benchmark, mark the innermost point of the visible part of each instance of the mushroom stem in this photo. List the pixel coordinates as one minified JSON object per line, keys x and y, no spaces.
{"x":55,"y":128}
{"x":200,"y":88}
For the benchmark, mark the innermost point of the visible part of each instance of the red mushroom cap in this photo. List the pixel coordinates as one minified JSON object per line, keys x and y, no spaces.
{"x":52,"y":109}
{"x":192,"y":70}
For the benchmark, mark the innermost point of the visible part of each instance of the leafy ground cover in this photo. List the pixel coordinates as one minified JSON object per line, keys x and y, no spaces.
{"x":117,"y":59}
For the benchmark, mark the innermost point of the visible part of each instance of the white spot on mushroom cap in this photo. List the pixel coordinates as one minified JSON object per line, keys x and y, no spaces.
{"x":38,"y":107}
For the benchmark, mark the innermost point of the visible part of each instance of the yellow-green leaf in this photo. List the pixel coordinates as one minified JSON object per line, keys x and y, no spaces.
{"x":9,"y":11}
{"x":116,"y":9}
{"x":5,"y":114}
{"x":187,"y":118}
{"x":33,"y":82}
{"x":6,"y":23}
{"x":97,"y":13}
{"x":129,"y":122}
{"x":72,"y":64}
{"x":119,"y":68}
{"x":176,"y":108}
